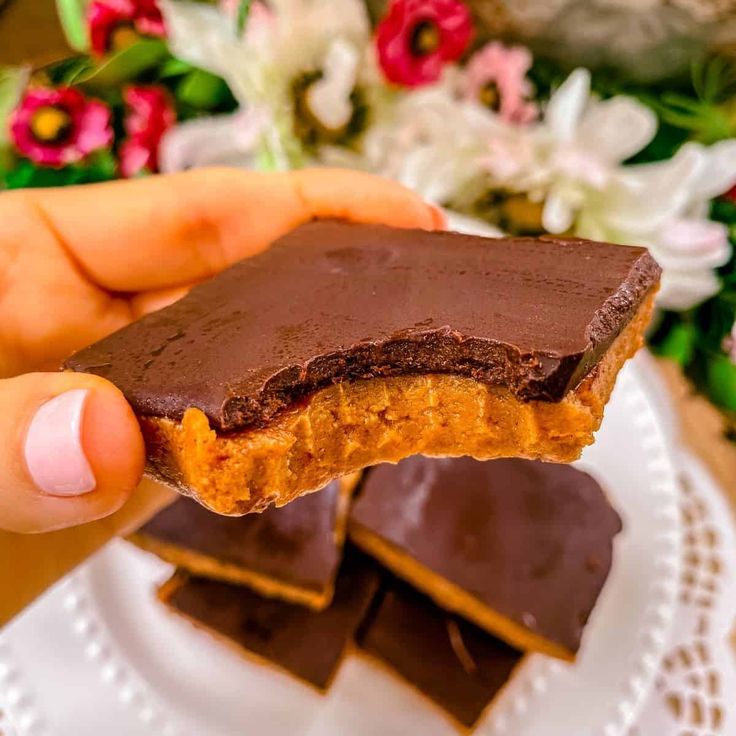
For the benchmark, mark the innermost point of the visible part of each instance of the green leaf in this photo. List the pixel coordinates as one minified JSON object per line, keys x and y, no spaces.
{"x":174,"y":68}
{"x":713,"y":320}
{"x":26,"y":174}
{"x":714,"y":79}
{"x":74,"y":22}
{"x":125,"y":65}
{"x":67,"y":71}
{"x":721,"y":381}
{"x":677,"y":343}
{"x":202,"y":90}
{"x":7,"y":162}
{"x":12,"y":82}
{"x":101,"y":166}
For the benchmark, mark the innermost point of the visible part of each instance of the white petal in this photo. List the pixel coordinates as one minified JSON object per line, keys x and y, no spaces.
{"x":616,"y":129}
{"x":307,"y":18}
{"x":685,"y":245}
{"x":329,"y":98}
{"x":200,"y":34}
{"x":431,"y":173}
{"x":644,"y":197}
{"x":470,"y":225}
{"x":719,"y":171}
{"x":206,"y":37}
{"x":220,"y":139}
{"x":565,"y":107}
{"x":557,"y":215}
{"x":682,"y":290}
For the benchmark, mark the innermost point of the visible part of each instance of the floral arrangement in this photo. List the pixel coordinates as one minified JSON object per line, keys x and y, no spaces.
{"x":475,"y":125}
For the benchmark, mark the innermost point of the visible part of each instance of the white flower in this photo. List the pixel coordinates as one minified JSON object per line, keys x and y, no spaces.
{"x":428,"y":140}
{"x":573,"y":152}
{"x":664,"y":206}
{"x":293,"y":37}
{"x":572,"y":160}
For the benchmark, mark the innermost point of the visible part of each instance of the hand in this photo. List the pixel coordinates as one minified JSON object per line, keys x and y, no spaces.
{"x":79,"y":263}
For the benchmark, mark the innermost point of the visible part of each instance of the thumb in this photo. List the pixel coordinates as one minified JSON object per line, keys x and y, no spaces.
{"x":72,"y":451}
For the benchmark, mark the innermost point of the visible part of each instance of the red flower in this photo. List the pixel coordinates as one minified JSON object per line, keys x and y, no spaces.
{"x":114,"y":23}
{"x":418,"y":37}
{"x":150,"y":114}
{"x":731,"y":194}
{"x":56,"y":127}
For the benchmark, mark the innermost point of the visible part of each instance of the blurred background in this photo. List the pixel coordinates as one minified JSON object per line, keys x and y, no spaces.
{"x":612,"y":120}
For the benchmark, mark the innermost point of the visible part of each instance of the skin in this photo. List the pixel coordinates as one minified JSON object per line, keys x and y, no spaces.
{"x":80,"y":262}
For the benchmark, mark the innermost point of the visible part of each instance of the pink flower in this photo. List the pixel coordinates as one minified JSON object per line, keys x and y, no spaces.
{"x":150,"y":114}
{"x":496,"y":77}
{"x":115,"y":23}
{"x":417,"y":38}
{"x":57,"y":127}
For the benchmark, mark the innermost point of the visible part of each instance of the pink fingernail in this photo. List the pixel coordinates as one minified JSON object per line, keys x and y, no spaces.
{"x":53,"y":449}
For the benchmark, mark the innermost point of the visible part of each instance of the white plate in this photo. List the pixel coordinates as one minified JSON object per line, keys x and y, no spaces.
{"x":100,"y":656}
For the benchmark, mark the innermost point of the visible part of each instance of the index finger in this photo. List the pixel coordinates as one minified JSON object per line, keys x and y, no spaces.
{"x":164,"y":231}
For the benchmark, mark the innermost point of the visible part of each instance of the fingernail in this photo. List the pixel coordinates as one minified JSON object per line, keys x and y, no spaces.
{"x":53,"y":449}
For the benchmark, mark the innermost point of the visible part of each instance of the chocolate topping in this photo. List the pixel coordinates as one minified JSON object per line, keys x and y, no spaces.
{"x":307,"y":643}
{"x":531,"y":541}
{"x":332,"y":302}
{"x":297,"y":544}
{"x":455,"y":664}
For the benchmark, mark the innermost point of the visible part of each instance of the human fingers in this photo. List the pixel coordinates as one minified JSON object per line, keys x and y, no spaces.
{"x":164,"y":231}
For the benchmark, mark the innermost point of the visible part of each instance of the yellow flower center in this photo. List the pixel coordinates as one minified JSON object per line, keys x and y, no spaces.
{"x":426,"y":38}
{"x":122,"y":37}
{"x":50,"y":124}
{"x":489,"y":96}
{"x":521,"y":216}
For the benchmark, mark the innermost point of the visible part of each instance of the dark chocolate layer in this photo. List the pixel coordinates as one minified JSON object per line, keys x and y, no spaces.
{"x":309,"y":644}
{"x":455,"y":664}
{"x":332,"y":302}
{"x":296,"y":544}
{"x":531,"y":541}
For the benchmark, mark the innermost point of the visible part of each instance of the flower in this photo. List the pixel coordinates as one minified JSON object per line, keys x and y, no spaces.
{"x":586,"y":140}
{"x":731,"y":194}
{"x":496,"y":77}
{"x":572,"y":161}
{"x":572,"y":153}
{"x":57,"y":127}
{"x":664,"y":206}
{"x":299,"y":63}
{"x":688,"y":249}
{"x":417,"y":38}
{"x":117,"y":23}
{"x":150,"y":114}
{"x":429,"y":141}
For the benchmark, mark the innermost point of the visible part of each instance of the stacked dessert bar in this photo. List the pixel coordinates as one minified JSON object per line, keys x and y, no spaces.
{"x":452,"y":570}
